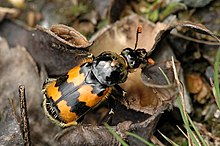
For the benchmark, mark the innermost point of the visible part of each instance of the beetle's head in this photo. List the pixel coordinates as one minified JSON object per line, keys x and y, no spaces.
{"x":134,"y":58}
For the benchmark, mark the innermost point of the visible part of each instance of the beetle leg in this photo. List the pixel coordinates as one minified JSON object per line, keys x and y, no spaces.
{"x":111,"y":112}
{"x":119,"y":94}
{"x":107,"y":117}
{"x":111,"y":106}
{"x":63,"y":125}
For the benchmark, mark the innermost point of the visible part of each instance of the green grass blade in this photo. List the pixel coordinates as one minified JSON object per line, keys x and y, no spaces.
{"x":123,"y":143}
{"x":140,"y":138}
{"x":216,"y":81}
{"x":172,"y":8}
{"x":192,"y":136}
{"x":197,"y":132}
{"x":167,"y":79}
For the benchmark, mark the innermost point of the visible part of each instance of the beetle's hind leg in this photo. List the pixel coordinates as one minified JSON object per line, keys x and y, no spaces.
{"x":107,"y":117}
{"x":119,"y":94}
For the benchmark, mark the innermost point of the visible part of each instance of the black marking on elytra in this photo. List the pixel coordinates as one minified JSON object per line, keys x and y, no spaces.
{"x":53,"y":109}
{"x":62,"y":79}
{"x":80,"y":108}
{"x":69,"y":93}
{"x":72,"y":99}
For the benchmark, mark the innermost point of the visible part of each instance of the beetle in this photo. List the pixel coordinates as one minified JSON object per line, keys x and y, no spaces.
{"x":85,"y":86}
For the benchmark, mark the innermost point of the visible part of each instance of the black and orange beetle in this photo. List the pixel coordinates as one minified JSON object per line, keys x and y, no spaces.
{"x":71,"y":96}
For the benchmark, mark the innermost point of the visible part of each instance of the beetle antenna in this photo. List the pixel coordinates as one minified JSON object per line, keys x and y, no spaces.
{"x":139,"y":30}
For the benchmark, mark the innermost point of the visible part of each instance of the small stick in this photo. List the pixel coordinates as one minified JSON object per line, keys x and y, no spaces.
{"x":179,"y":85}
{"x":24,"y":117}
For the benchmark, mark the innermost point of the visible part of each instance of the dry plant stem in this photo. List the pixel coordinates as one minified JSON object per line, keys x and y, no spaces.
{"x":206,"y":132}
{"x":196,"y":139}
{"x":179,"y":87}
{"x":14,"y":112}
{"x":182,"y":131}
{"x":156,"y":141}
{"x":150,"y":119}
{"x":199,"y":27}
{"x":186,"y":135}
{"x":194,"y":40}
{"x":24,"y":117}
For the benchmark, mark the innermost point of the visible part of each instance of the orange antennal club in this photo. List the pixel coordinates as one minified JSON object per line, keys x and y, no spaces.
{"x":139,"y":30}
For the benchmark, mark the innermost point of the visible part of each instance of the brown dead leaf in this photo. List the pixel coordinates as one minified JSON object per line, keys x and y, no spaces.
{"x":49,"y":50}
{"x":10,"y":133}
{"x":203,"y":95}
{"x":17,"y":67}
{"x":70,"y":35}
{"x":197,"y":86}
{"x":121,"y":35}
{"x":8,"y":13}
{"x":86,"y":135}
{"x":148,"y":90}
{"x":6,"y":95}
{"x":194,"y":83}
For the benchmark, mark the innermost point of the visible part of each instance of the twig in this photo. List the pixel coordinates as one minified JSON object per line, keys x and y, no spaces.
{"x":194,"y":39}
{"x":156,"y":141}
{"x":179,"y":85}
{"x":24,"y":117}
